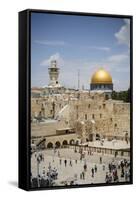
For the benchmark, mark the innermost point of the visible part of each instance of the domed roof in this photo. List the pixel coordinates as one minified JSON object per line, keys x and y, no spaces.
{"x":101,"y":76}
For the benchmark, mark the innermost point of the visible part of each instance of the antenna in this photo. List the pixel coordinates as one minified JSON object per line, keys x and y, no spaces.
{"x":78,"y":79}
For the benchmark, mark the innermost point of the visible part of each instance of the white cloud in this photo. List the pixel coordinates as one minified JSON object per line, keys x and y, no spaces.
{"x":123,"y":35}
{"x":117,"y":64}
{"x":62,"y":43}
{"x":56,"y":57}
{"x":118,"y":58}
{"x":99,"y":48}
{"x":50,"y":43}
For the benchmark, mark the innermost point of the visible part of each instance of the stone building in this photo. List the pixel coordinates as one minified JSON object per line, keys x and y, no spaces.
{"x":102,"y":81}
{"x":106,"y":118}
{"x":61,"y":116}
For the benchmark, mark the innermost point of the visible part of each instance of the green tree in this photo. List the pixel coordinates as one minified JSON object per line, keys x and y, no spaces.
{"x":122,"y":95}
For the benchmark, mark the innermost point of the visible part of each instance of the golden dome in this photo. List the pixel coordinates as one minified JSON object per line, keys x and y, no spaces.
{"x":101,"y":77}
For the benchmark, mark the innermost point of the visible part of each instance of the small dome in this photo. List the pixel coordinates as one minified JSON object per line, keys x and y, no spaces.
{"x":101,"y":77}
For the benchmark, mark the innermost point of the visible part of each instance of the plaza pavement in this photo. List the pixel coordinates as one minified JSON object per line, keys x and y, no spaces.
{"x":69,"y":172}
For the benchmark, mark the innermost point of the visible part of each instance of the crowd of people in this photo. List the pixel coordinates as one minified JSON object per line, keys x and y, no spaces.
{"x":112,"y":175}
{"x":46,"y":179}
{"x":114,"y":172}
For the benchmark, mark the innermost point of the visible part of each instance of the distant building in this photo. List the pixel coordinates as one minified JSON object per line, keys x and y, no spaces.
{"x":36,"y":92}
{"x":54,"y":87}
{"x":101,"y":81}
{"x":53,"y":74}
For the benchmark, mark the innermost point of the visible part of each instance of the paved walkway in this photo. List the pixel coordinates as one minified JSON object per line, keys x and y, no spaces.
{"x":69,"y":172}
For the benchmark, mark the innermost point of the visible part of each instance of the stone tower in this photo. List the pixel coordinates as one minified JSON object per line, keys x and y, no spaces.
{"x":53,"y":73}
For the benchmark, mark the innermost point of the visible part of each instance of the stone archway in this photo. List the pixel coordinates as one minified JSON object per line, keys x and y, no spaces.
{"x":64,"y":143}
{"x":71,"y":141}
{"x":57,"y":144}
{"x":50,"y":145}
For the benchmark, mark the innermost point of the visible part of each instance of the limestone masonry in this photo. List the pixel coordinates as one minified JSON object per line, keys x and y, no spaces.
{"x":62,"y":116}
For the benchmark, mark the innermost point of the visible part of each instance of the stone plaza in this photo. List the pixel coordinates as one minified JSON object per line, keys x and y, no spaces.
{"x":75,"y":166}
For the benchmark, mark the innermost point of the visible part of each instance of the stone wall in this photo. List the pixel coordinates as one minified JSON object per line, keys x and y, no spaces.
{"x":108,"y":118}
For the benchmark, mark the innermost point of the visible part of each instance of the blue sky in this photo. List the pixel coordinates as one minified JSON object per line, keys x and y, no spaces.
{"x":79,"y":43}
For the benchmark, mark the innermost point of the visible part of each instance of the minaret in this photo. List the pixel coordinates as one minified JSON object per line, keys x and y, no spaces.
{"x":53,"y":73}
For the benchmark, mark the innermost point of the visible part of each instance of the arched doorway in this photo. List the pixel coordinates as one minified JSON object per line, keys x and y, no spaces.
{"x":57,"y":144}
{"x":50,"y":145}
{"x":65,"y":142}
{"x":71,"y":141}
